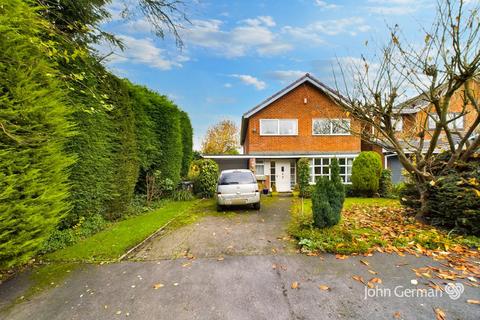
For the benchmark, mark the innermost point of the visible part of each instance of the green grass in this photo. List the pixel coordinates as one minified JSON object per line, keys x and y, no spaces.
{"x":111,"y":243}
{"x":368,"y":202}
{"x":367,"y":223}
{"x":341,"y":238}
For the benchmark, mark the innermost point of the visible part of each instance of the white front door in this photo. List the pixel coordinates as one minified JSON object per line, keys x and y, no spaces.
{"x":282,"y":175}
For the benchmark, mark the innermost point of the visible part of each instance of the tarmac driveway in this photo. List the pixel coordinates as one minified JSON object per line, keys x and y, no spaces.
{"x":239,"y":266}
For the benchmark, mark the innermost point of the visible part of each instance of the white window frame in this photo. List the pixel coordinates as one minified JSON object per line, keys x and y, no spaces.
{"x":278,"y":127}
{"x":331,"y":120}
{"x":344,"y":176}
{"x":259,"y":163}
{"x":398,"y":124}
{"x":433,"y":118}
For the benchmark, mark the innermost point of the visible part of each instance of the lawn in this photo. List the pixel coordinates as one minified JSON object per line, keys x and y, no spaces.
{"x":370,"y":224}
{"x":111,"y":243}
{"x":382,"y":225}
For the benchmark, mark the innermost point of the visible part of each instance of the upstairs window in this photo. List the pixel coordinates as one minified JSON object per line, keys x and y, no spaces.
{"x":457,"y":123}
{"x":278,"y":127}
{"x":330,"y":127}
{"x":398,"y":124}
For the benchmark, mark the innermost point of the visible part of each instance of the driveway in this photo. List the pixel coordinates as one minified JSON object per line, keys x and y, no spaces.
{"x":239,"y":266}
{"x":235,"y":232}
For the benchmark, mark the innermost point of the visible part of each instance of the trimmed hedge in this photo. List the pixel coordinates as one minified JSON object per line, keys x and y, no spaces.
{"x":187,"y":143}
{"x":328,"y":198}
{"x":34,"y":128}
{"x":73,"y":137}
{"x":124,"y":159}
{"x":166,"y":117}
{"x":205,"y":173}
{"x":366,"y":171}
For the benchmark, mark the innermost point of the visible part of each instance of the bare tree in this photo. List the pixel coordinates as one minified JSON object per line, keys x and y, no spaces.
{"x":163,"y":15}
{"x":442,"y":68}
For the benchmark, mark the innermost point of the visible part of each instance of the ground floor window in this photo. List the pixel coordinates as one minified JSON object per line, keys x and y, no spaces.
{"x":272,"y":174}
{"x":293,"y":174}
{"x":320,"y":167}
{"x":259,"y":167}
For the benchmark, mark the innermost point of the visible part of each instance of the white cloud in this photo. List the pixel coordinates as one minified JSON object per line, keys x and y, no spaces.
{"x":250,"y":80}
{"x":314,"y":32}
{"x":251,"y":35}
{"x":260,"y":20}
{"x":227,"y":85}
{"x":395,"y":7}
{"x":137,"y":26}
{"x":325,"y":5}
{"x":144,"y":51}
{"x":285,"y":76}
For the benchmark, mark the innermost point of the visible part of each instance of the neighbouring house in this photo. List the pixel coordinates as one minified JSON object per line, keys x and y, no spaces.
{"x":304,"y":120}
{"x":417,"y":114}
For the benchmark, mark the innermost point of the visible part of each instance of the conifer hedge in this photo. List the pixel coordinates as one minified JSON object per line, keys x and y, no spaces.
{"x":187,"y":143}
{"x":125,"y":151}
{"x":91,"y":177}
{"x":73,"y":137}
{"x":33,"y":130}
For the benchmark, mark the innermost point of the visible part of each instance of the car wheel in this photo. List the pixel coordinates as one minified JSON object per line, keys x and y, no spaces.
{"x":256,"y":206}
{"x":219,"y":208}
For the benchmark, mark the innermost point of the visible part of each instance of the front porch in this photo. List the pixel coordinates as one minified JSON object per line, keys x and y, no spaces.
{"x":279,"y":172}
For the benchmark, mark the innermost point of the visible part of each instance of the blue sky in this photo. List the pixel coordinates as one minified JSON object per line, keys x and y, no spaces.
{"x":237,"y":53}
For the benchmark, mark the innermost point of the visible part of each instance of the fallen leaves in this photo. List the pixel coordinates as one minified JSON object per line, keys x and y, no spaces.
{"x":324,"y":287}
{"x":471,"y":301}
{"x":372,"y":272}
{"x":376,"y":280}
{"x":359,"y":279}
{"x":158,"y":286}
{"x":295,"y":285}
{"x":341,"y":256}
{"x":365,"y":262}
{"x":440,"y":314}
{"x":397,"y":315}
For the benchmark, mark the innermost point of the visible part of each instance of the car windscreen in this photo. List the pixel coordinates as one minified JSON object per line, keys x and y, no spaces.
{"x":236,"y":177}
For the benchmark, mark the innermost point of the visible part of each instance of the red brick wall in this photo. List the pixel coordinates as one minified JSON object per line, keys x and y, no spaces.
{"x":292,"y":106}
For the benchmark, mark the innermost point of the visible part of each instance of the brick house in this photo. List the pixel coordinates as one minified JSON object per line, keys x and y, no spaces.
{"x":417,"y":113}
{"x":303,"y":120}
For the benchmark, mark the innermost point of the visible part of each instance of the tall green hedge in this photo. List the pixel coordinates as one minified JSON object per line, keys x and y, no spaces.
{"x":91,"y":177}
{"x":164,"y":136}
{"x":166,"y":117}
{"x":34,"y":127}
{"x":366,"y":171}
{"x":124,"y":158}
{"x":187,"y":143}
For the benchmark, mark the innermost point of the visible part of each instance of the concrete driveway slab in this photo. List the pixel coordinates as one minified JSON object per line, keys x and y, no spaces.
{"x":243,"y":232}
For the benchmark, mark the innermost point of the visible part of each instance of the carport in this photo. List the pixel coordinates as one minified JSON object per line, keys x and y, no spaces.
{"x":234,"y":161}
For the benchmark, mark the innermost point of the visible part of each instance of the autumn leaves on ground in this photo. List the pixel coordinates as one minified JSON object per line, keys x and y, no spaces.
{"x":369,"y":226}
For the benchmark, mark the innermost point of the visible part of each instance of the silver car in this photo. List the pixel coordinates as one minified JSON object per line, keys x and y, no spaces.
{"x":237,"y":187}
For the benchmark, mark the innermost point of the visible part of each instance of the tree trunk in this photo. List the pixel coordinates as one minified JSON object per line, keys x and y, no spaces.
{"x":422,"y":191}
